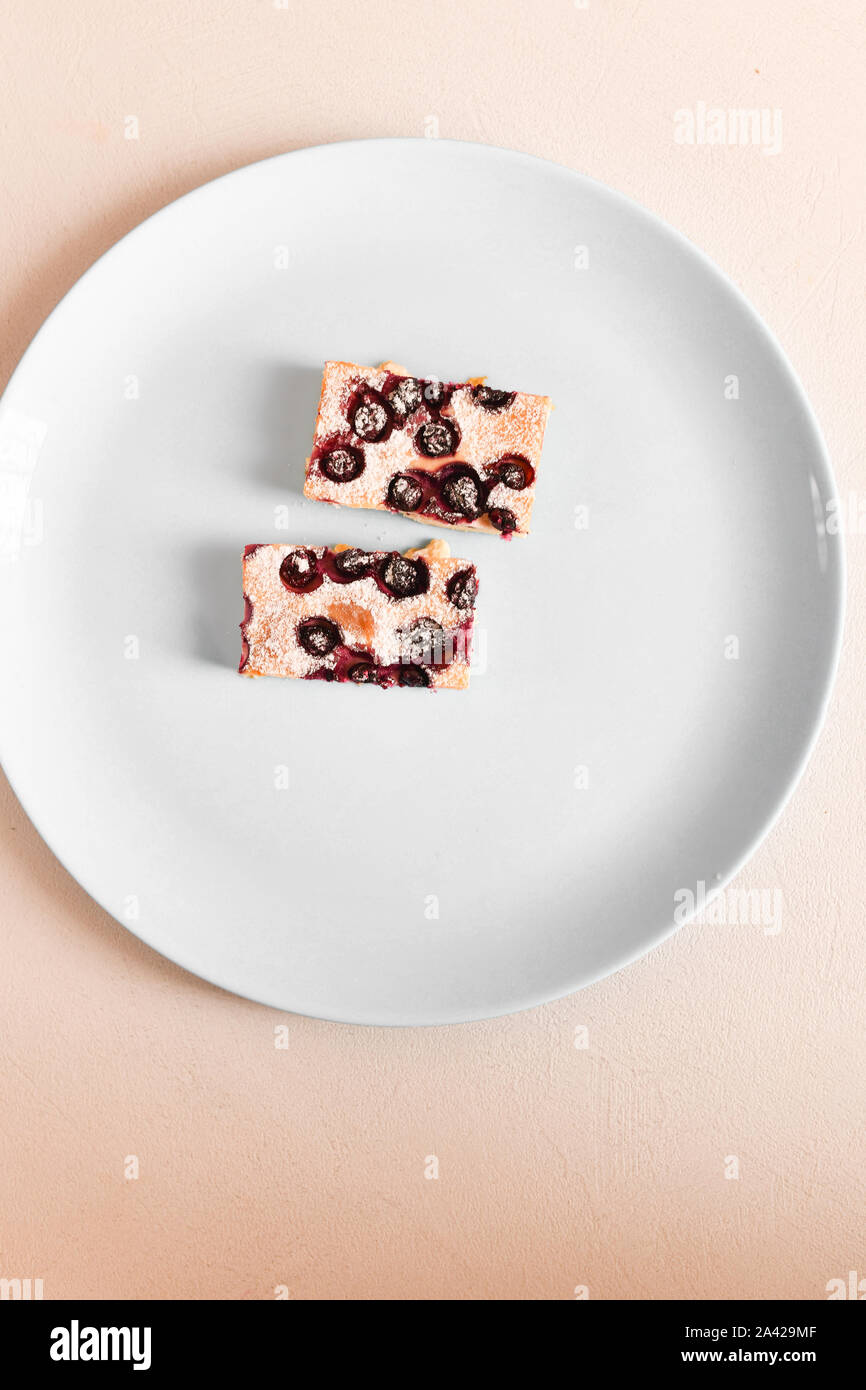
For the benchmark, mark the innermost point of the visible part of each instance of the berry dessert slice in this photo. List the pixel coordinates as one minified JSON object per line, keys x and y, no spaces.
{"x":454,"y":453}
{"x":374,"y":617}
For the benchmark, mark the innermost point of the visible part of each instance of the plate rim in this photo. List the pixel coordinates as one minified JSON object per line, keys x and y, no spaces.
{"x":838,"y":569}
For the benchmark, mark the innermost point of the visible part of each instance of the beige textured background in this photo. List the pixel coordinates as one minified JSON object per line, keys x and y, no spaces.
{"x":558,"y":1166}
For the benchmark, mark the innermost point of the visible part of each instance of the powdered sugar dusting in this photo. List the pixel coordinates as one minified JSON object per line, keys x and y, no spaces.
{"x":485,"y":437}
{"x":369,"y":620}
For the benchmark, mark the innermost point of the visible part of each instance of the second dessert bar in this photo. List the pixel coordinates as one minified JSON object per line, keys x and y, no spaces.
{"x":373,"y":617}
{"x":455,"y":453}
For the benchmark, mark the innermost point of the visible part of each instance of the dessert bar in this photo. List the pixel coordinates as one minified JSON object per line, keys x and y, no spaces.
{"x":453,"y":453}
{"x":367,"y":616}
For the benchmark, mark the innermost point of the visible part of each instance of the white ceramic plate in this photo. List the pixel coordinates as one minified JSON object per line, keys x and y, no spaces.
{"x":656,"y":656}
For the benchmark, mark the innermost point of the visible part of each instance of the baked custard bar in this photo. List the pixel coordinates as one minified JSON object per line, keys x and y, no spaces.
{"x":453,"y":453}
{"x":368,"y":616}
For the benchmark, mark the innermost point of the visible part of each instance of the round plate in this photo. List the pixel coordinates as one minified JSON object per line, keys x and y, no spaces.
{"x":653,"y":663}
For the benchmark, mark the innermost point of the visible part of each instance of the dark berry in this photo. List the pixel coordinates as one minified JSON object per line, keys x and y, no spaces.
{"x":405,"y":396}
{"x":342,"y":465}
{"x":404,"y":493}
{"x":437,"y":511}
{"x":369,"y":417}
{"x":493,"y":400}
{"x":436,"y":393}
{"x":362,"y":672}
{"x":464,"y":493}
{"x":422,"y":642}
{"x":437,"y":438}
{"x":427,"y":627}
{"x":300,"y":571}
{"x":413,"y":675}
{"x":462,"y":589}
{"x":354,"y":563}
{"x":504,"y":520}
{"x":403,"y":578}
{"x":319,"y":636}
{"x":513,"y":472}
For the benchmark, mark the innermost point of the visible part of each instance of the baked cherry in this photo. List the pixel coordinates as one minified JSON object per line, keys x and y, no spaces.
{"x":462,"y":589}
{"x":319,"y":636}
{"x":426,"y":627}
{"x":504,"y":520}
{"x":422,"y":642}
{"x":343,"y":464}
{"x":492,"y":400}
{"x":354,"y":563}
{"x":405,"y":396}
{"x":463,"y":492}
{"x":405,"y":493}
{"x":437,"y":438}
{"x":413,"y":675}
{"x":362,"y":673}
{"x":369,"y":416}
{"x":514,"y":472}
{"x":436,"y":394}
{"x":299,"y":571}
{"x":404,"y":578}
{"x":439,"y":512}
